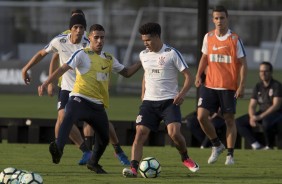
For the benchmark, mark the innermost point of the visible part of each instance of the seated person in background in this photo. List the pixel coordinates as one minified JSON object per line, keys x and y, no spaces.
{"x":267,"y":95}
{"x":194,"y":126}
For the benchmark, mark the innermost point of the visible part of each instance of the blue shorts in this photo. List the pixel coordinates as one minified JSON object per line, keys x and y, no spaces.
{"x":212,"y":100}
{"x":151,"y":113}
{"x":63,"y":97}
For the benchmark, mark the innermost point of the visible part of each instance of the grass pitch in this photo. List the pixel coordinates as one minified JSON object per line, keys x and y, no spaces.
{"x":250,"y":167}
{"x":121,"y":107}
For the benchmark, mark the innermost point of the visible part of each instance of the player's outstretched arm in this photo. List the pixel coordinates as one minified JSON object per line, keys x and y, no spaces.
{"x":54,"y":65}
{"x":33,"y":61}
{"x":58,"y":73}
{"x":129,"y":71}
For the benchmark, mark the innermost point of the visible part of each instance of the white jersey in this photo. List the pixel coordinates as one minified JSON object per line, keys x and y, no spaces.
{"x":240,"y":46}
{"x":63,"y":46}
{"x":81,"y":62}
{"x":161,"y":72}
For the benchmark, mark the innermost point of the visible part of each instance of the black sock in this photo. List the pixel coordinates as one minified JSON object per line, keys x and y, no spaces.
{"x":83,"y":147}
{"x":117,"y":148}
{"x":134,"y":164}
{"x":184,"y":156}
{"x":89,"y":141}
{"x":215,"y":142}
{"x":230,"y":151}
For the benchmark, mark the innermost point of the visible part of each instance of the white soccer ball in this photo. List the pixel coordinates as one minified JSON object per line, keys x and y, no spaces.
{"x":149,"y":167}
{"x":31,"y":178}
{"x":16,"y":177}
{"x":6,"y":174}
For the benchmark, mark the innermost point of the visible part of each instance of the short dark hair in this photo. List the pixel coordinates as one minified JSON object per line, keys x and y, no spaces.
{"x":267,"y":64}
{"x":77,"y":11}
{"x":220,"y":9}
{"x":96,"y":27}
{"x":150,"y":28}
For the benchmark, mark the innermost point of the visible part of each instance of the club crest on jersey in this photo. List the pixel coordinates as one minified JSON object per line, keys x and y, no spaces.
{"x":167,"y":49}
{"x":161,"y":61}
{"x":63,"y":40}
{"x":84,"y":45}
{"x":270,"y":93}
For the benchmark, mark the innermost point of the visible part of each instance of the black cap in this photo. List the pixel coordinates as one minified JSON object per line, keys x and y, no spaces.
{"x":77,"y":19}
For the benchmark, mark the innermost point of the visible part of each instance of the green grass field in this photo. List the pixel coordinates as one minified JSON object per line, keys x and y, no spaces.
{"x":251,"y":166}
{"x":252,"y":77}
{"x":121,"y":107}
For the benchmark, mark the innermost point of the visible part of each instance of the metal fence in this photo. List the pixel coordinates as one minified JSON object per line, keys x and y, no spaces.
{"x":27,"y":26}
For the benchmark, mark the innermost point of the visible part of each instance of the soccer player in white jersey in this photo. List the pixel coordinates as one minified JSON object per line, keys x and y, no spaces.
{"x":65,"y":46}
{"x":90,"y":94}
{"x":161,"y":96}
{"x":87,"y":130}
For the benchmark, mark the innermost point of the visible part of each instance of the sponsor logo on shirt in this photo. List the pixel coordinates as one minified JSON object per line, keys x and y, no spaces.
{"x":102,"y":76}
{"x":218,"y":48}
{"x":104,"y":67}
{"x":63,"y":40}
{"x":155,"y":71}
{"x":218,"y":58}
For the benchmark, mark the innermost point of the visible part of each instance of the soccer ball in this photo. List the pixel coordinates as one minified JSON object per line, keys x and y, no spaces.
{"x":6,"y":174}
{"x":16,"y":177}
{"x":150,"y":168}
{"x":31,"y":178}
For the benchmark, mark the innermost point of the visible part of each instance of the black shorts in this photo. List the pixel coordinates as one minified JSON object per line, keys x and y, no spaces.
{"x":63,"y":97}
{"x":80,"y":109}
{"x":151,"y":113}
{"x":212,"y":100}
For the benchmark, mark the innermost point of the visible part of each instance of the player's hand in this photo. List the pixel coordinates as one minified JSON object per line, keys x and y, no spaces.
{"x":41,"y":90}
{"x":239,"y":93}
{"x":253,"y":121}
{"x":198,"y":81}
{"x":50,"y":89}
{"x":178,"y":100}
{"x":26,"y":77}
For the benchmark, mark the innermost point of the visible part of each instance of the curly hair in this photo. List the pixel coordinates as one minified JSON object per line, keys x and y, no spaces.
{"x":150,"y":28}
